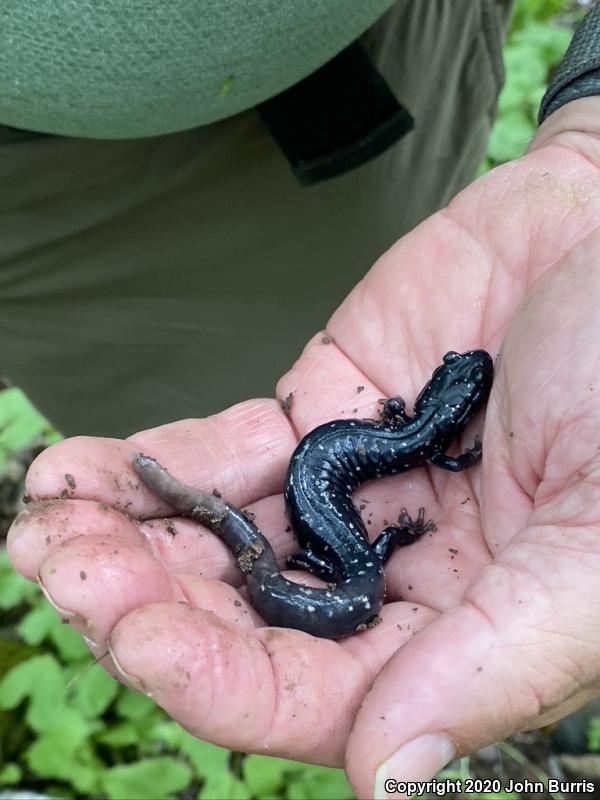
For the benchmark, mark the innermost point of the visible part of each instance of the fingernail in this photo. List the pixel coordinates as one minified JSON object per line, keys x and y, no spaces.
{"x":126,"y":677}
{"x":418,"y":760}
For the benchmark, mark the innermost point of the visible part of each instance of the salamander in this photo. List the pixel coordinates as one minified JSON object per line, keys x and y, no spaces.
{"x":325,"y":469}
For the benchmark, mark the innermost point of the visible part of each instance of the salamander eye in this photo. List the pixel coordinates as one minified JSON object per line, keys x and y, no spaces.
{"x":477,"y":375}
{"x":452,"y":357}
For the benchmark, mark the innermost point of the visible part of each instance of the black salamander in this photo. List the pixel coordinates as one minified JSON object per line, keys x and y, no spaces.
{"x":326,"y":467}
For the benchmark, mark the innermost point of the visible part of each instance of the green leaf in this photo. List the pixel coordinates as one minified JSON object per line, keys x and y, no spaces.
{"x":146,"y":780}
{"x":297,"y":790}
{"x":227,"y":85}
{"x":594,"y":735}
{"x":63,"y":753}
{"x":37,"y":623}
{"x":224,"y":786}
{"x":510,"y":136}
{"x":168,"y":732}
{"x":207,"y":759}
{"x":10,"y":774}
{"x":524,"y":68}
{"x":133,"y":705}
{"x":20,"y":423}
{"x":68,"y":641}
{"x":526,"y":12}
{"x":13,"y":653}
{"x":62,"y":716}
{"x":320,"y":783}
{"x":43,"y":623}
{"x":93,"y":690}
{"x":548,"y":41}
{"x":266,"y":776}
{"x":14,"y":589}
{"x":121,"y":734}
{"x":39,"y":678}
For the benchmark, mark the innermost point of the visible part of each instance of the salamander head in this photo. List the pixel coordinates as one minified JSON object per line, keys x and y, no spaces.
{"x":457,"y":390}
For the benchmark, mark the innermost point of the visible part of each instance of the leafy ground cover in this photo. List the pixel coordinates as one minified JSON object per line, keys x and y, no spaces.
{"x":68,"y":730}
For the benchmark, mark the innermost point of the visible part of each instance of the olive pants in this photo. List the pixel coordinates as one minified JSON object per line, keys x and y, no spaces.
{"x":147,"y":280}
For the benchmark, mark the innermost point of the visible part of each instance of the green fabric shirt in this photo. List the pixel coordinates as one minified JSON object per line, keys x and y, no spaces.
{"x":131,"y":68}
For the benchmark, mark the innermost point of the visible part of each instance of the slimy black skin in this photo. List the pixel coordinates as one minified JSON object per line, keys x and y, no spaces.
{"x":325,"y":469}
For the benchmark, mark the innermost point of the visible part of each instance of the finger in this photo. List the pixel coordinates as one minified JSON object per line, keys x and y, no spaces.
{"x":95,"y":580}
{"x":517,"y":650}
{"x":100,"y":470}
{"x":324,"y":385}
{"x":242,"y":451}
{"x":44,"y":526}
{"x":184,"y":545}
{"x":179,"y":545}
{"x":104,"y":567}
{"x":222,"y":600}
{"x":277,"y":691}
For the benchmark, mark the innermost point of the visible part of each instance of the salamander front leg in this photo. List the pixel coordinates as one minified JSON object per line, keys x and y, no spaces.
{"x":458,"y":463}
{"x":406,"y":532}
{"x":393,"y":412}
{"x":311,"y":562}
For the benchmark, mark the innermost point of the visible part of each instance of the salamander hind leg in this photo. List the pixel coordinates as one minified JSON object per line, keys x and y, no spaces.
{"x":458,"y":463}
{"x":313,"y":563}
{"x":406,"y":532}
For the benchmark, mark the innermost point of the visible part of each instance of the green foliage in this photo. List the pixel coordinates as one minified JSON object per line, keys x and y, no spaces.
{"x":20,"y":425}
{"x":535,"y":46}
{"x":594,"y":735}
{"x":529,"y":12}
{"x":224,"y":784}
{"x":319,"y":783}
{"x":146,"y":779}
{"x":14,"y":590}
{"x":10,"y":774}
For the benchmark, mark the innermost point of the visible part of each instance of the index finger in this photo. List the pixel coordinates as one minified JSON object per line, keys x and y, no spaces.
{"x":243,"y":451}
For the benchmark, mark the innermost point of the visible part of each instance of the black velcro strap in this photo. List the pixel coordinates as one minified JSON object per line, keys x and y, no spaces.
{"x":337,"y":118}
{"x":578,"y":75}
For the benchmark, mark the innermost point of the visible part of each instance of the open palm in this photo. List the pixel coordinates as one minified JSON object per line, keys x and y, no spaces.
{"x":504,"y":596}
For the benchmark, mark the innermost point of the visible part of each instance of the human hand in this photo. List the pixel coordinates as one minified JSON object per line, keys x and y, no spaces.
{"x":454,"y":283}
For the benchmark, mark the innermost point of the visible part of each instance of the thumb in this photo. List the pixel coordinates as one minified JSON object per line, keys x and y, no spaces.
{"x":521,"y":650}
